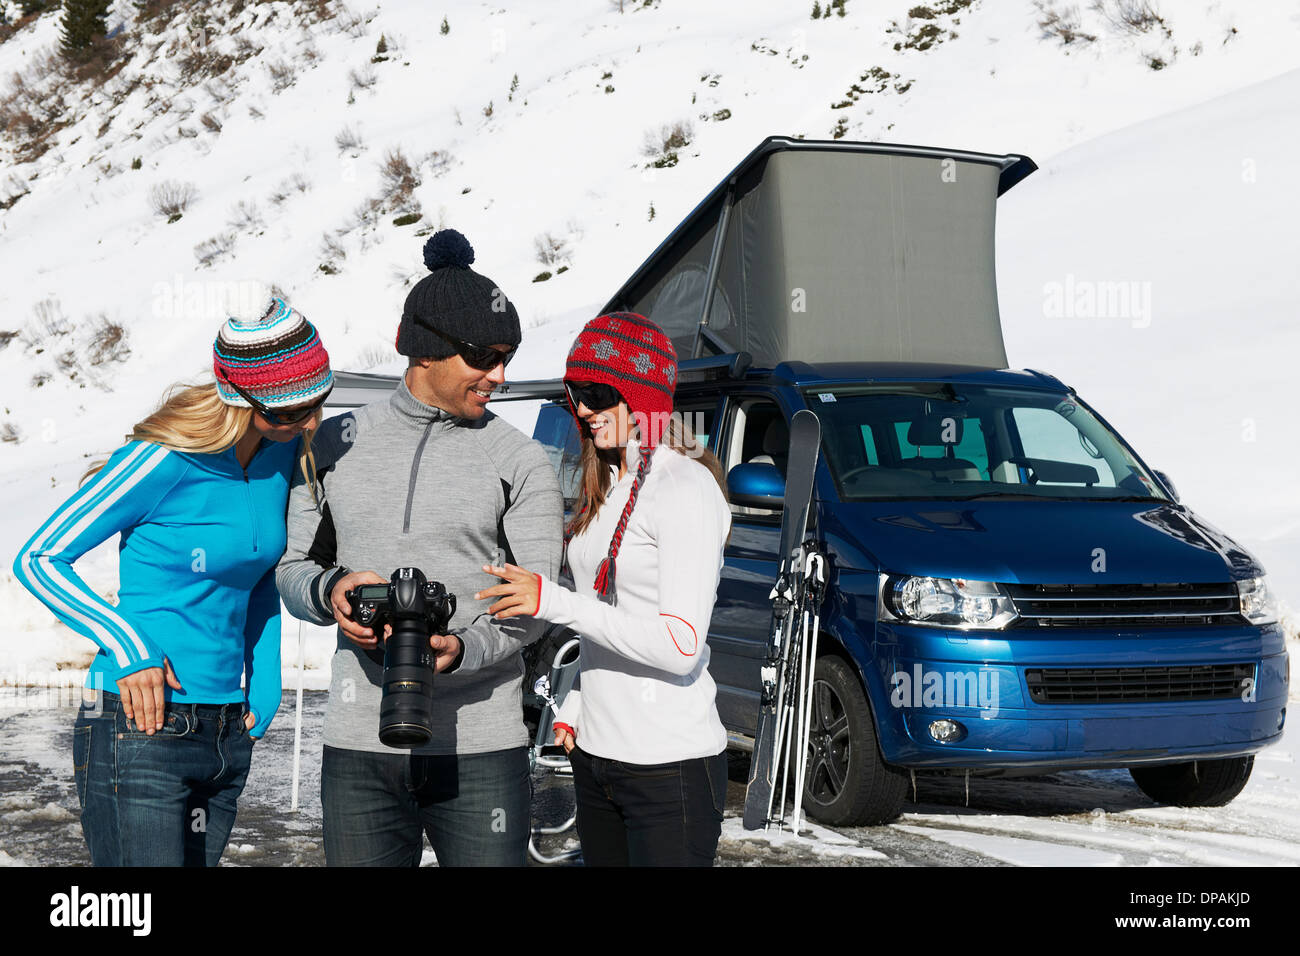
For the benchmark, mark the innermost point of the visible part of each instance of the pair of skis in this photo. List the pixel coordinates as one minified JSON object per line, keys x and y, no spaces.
{"x":785,"y":703}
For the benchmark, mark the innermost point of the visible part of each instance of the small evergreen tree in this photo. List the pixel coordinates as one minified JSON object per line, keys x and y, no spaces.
{"x":445,"y":28}
{"x":514,"y":85}
{"x":817,"y":10}
{"x":83,"y":23}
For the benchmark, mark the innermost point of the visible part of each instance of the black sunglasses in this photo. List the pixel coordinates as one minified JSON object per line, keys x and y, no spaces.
{"x":480,"y":357}
{"x":595,"y":395}
{"x":283,"y":416}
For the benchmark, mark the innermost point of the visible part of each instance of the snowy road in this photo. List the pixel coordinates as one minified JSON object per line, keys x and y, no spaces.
{"x":1096,"y":818}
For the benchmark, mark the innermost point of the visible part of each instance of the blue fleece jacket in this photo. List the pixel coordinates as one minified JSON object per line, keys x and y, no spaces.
{"x":200,"y":540}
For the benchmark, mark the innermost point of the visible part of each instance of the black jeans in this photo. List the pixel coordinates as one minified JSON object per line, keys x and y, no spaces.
{"x":666,"y":814}
{"x":378,"y":808}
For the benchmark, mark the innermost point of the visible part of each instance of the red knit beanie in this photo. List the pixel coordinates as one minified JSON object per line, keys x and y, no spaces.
{"x":631,"y":354}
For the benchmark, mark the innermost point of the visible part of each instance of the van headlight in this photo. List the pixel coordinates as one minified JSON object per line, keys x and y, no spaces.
{"x":1257,"y":604}
{"x":945,"y":602}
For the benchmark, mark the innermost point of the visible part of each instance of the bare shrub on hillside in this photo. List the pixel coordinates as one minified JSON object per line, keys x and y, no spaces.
{"x":282,"y":75}
{"x":398,"y":180}
{"x":332,"y":255}
{"x":439,"y":161}
{"x":348,"y":140}
{"x":1063,"y":24}
{"x":210,"y":122}
{"x":661,"y":144}
{"x":1132,"y":17}
{"x":550,"y":249}
{"x":210,"y":250}
{"x":246,"y":217}
{"x":14,"y":189}
{"x":47,"y":325}
{"x":107,"y":342}
{"x":352,"y":23}
{"x":362,"y":79}
{"x":170,"y":198}
{"x":9,"y":433}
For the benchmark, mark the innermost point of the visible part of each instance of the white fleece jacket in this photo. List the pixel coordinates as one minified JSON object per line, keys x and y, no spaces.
{"x":644,"y":693}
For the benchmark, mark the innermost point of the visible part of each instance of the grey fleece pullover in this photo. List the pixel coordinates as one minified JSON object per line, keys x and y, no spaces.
{"x":406,"y":484}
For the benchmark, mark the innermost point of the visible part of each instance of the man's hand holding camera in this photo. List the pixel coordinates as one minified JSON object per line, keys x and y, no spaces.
{"x":446,"y":647}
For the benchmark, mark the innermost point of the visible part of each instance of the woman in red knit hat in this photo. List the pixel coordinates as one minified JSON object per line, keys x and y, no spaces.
{"x":187,"y":673}
{"x":645,"y":547}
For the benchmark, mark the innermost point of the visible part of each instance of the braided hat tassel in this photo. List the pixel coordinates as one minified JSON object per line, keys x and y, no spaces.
{"x":604,"y":584}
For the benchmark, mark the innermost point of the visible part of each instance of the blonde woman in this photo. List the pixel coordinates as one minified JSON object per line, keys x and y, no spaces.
{"x":188,"y":670}
{"x":647,"y":748}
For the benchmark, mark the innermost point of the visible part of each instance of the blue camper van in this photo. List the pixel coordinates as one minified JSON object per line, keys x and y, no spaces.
{"x":1012,"y":589}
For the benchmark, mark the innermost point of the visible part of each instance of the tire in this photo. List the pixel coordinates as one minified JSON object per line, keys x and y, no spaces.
{"x":848,"y":783}
{"x":1197,"y":783}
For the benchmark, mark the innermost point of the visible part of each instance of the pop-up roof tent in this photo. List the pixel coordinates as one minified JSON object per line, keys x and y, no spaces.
{"x":821,"y":251}
{"x":830,"y":251}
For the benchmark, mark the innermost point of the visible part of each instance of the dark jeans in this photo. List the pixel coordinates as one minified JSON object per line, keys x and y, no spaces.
{"x":162,"y":800}
{"x":649,"y":814}
{"x":473,"y":807}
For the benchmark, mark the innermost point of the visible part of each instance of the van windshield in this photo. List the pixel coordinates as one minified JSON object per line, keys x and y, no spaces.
{"x":941,"y":440}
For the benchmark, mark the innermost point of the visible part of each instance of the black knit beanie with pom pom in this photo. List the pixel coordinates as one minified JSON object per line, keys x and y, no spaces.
{"x":455,"y":300}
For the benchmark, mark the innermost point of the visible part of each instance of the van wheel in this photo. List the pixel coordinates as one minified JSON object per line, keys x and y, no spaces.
{"x":848,"y":784}
{"x":1198,"y":783}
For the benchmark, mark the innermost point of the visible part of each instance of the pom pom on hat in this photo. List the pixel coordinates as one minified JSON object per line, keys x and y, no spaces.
{"x":455,"y":300}
{"x":447,"y":247}
{"x":250,"y":303}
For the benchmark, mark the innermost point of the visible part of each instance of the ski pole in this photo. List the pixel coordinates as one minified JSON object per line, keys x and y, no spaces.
{"x":815,"y":572}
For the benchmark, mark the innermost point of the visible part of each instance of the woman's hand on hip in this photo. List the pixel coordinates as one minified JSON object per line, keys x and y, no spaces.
{"x":564,"y":738}
{"x":143,"y":696}
{"x":520,"y":595}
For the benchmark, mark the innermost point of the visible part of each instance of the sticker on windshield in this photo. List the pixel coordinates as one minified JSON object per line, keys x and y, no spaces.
{"x":826,"y":396}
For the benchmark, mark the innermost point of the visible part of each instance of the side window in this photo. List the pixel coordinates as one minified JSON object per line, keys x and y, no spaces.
{"x":699,"y":416}
{"x":869,"y":445}
{"x":757,"y":434}
{"x":558,"y":435}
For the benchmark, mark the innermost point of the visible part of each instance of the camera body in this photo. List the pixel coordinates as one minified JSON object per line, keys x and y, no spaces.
{"x":415,"y":608}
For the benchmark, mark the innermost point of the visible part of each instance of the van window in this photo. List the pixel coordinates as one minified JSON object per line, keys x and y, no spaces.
{"x":940,"y":440}
{"x":1052,"y":436}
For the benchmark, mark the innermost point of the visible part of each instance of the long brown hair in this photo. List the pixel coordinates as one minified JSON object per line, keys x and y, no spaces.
{"x":193,"y":418}
{"x":594,"y":464}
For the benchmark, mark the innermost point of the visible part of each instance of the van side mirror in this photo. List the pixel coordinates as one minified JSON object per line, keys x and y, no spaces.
{"x":756,"y":485}
{"x":1169,"y":485}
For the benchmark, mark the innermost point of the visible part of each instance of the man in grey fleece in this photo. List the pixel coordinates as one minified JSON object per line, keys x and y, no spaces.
{"x":429,"y":479}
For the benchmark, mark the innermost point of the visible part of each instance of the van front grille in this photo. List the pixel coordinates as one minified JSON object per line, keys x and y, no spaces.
{"x":1126,"y":605}
{"x":1136,"y":685}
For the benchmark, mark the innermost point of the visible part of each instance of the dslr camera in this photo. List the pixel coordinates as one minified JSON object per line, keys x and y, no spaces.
{"x":416,"y":608}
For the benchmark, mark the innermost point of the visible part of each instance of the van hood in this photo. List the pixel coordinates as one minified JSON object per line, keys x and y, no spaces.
{"x":1036,"y":542}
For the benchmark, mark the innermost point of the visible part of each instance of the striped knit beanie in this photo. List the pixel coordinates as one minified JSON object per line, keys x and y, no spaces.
{"x":631,"y":354}
{"x":271,"y":352}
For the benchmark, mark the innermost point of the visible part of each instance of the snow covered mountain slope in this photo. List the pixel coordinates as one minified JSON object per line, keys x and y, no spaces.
{"x":294,"y":146}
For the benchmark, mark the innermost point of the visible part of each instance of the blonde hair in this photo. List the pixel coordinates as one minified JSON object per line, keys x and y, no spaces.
{"x":594,"y":478}
{"x":193,"y":418}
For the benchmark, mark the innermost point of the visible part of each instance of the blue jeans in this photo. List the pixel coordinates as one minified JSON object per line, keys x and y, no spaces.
{"x":667,"y":814}
{"x":379,"y":806}
{"x":161,"y":800}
